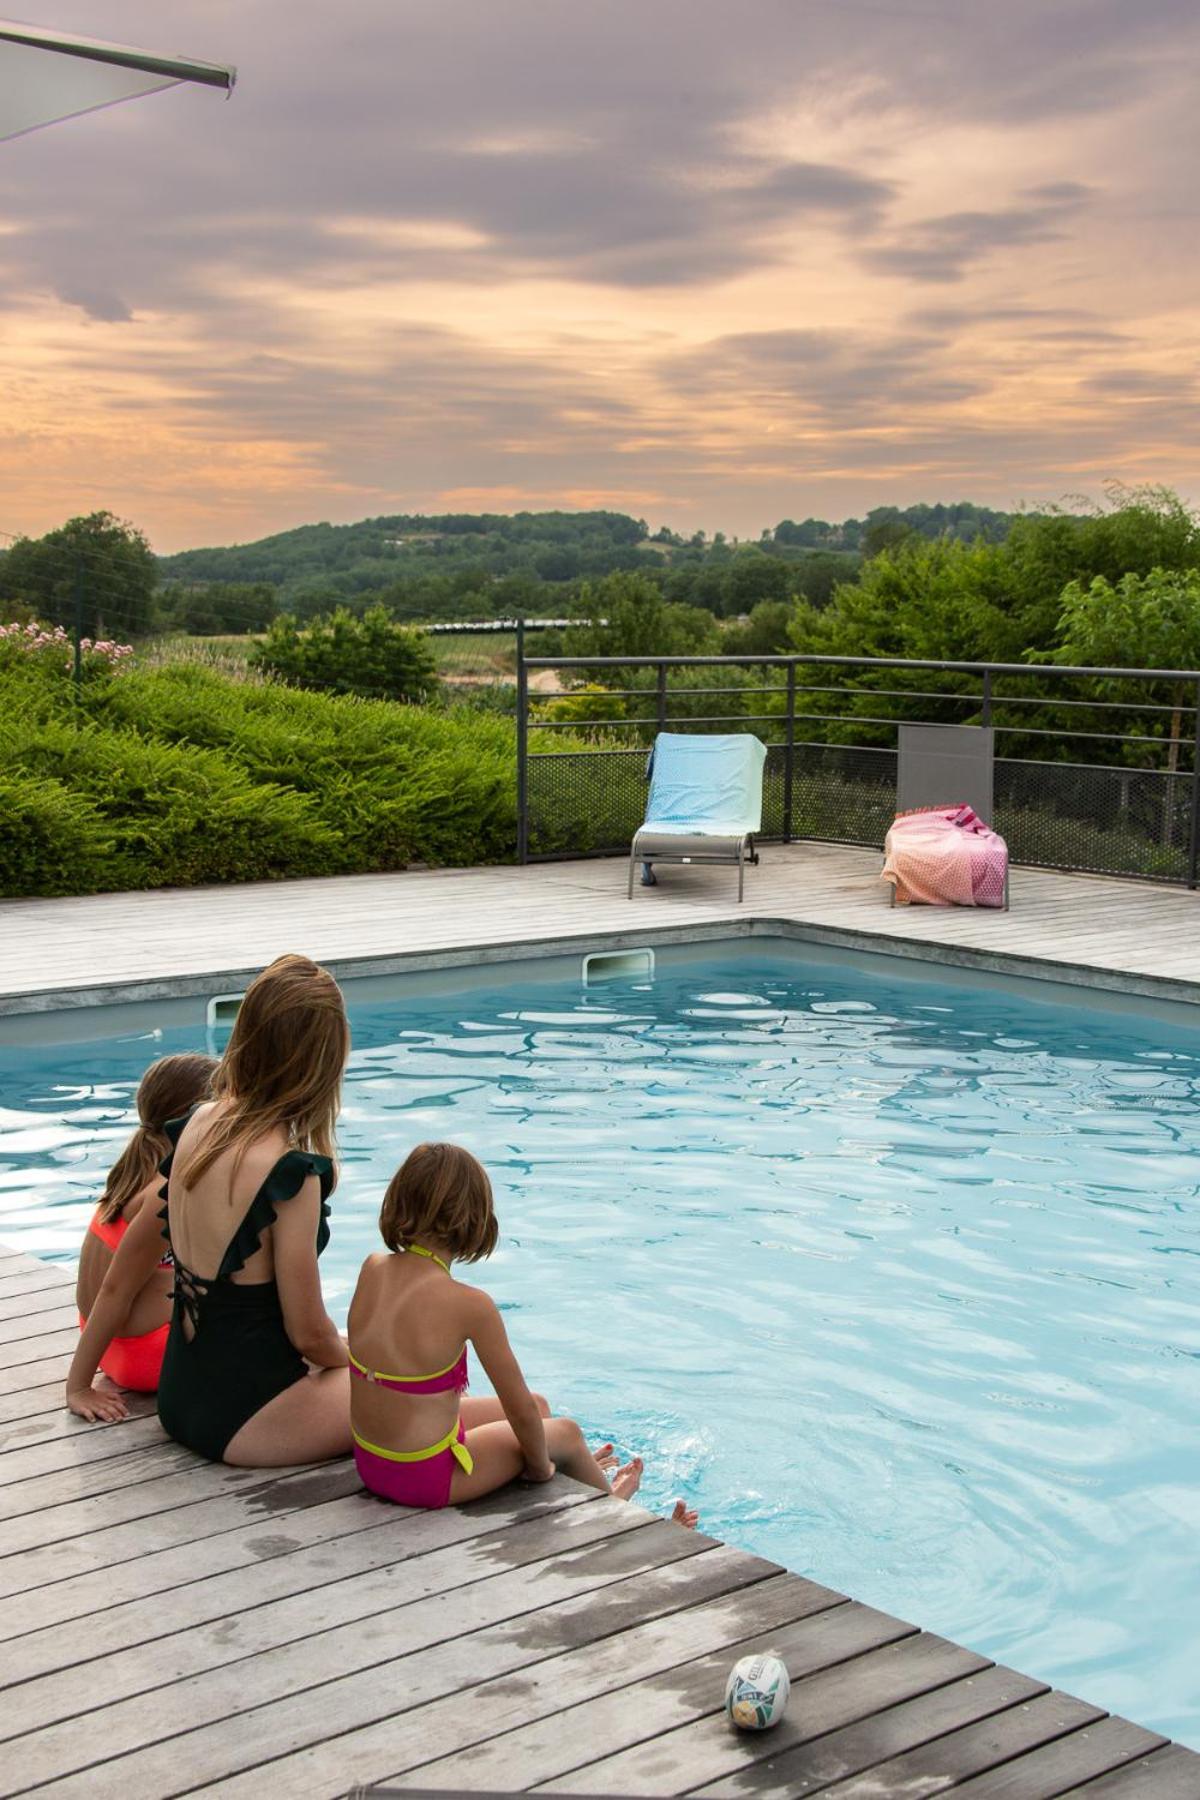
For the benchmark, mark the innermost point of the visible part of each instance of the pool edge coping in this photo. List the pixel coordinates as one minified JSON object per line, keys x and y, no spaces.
{"x":934,"y":952}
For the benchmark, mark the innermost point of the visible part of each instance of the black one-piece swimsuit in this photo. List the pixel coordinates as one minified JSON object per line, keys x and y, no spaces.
{"x":239,"y":1355}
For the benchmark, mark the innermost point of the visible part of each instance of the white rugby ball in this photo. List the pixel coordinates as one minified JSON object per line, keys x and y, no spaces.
{"x":756,"y":1694}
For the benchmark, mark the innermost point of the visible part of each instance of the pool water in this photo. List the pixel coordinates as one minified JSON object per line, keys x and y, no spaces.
{"x":897,"y":1281}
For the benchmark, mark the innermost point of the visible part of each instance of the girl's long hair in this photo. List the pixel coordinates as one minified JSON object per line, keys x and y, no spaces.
{"x":169,"y":1088}
{"x":282,"y":1066}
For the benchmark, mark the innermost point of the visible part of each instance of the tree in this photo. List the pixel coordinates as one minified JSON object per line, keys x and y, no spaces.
{"x":96,"y":572}
{"x":884,"y":534}
{"x":206,"y":609}
{"x":626,"y":615}
{"x":764,"y":633}
{"x":340,"y":654}
{"x":1141,"y":622}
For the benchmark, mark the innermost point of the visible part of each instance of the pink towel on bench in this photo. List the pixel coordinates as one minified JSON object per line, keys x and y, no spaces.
{"x":945,"y":856}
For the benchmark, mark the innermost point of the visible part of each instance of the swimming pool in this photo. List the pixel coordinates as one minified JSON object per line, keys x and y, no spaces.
{"x":898,"y":1279}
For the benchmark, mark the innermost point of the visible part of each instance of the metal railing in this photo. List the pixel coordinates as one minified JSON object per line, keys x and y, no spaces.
{"x":1096,"y":769}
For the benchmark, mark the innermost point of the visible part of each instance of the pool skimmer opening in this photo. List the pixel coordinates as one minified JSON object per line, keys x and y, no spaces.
{"x":616,"y":965}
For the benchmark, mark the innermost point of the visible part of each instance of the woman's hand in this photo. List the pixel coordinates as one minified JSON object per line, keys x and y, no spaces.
{"x":538,"y":1475}
{"x":89,"y":1403}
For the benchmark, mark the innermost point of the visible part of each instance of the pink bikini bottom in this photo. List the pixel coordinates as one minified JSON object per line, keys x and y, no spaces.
{"x":413,"y":1477}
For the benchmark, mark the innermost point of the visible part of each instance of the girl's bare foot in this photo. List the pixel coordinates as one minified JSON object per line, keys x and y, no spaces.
{"x":606,"y":1456}
{"x":626,"y":1481}
{"x":687,"y":1516}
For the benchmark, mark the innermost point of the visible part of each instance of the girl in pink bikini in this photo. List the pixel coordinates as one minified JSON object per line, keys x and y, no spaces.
{"x":126,"y":1338}
{"x":417,"y":1440}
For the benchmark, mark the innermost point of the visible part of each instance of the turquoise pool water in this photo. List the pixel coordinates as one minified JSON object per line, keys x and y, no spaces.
{"x":898,"y":1281}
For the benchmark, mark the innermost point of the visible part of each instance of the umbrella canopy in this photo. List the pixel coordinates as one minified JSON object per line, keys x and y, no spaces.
{"x":46,"y":75}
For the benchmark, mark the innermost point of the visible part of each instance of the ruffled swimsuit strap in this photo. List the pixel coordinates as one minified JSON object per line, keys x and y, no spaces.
{"x":283,"y":1182}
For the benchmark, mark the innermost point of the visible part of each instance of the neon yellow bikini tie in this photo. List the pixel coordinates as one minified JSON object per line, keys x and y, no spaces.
{"x":419,"y":1250}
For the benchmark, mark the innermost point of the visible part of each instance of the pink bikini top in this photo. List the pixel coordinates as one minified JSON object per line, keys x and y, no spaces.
{"x":450,"y":1380}
{"x":445,"y":1381}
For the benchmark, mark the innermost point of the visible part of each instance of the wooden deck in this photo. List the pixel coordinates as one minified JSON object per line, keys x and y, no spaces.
{"x":1089,"y":930}
{"x":171,"y":1626}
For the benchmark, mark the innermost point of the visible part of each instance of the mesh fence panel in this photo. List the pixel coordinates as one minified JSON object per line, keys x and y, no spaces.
{"x":1054,"y":815}
{"x":1104,"y":820}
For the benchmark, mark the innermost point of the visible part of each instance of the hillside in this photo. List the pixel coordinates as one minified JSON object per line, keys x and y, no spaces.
{"x":468,"y":552}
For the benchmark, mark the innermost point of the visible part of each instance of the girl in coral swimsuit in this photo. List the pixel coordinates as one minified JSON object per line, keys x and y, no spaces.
{"x":128,"y":1333}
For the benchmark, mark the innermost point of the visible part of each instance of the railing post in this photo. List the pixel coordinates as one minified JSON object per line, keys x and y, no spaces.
{"x":985,"y":711}
{"x":790,"y":745}
{"x":662,"y":696}
{"x":522,"y":747}
{"x":1194,"y":822}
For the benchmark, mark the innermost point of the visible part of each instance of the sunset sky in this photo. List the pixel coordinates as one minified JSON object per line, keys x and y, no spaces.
{"x":712,"y":262}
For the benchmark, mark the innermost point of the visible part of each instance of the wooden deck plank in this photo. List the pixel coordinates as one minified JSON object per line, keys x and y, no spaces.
{"x":974,"y":1750}
{"x":38,"y":1452}
{"x":46,"y":1344}
{"x":1170,"y":1773}
{"x":633,"y":1738}
{"x":317,"y":1508}
{"x":33,"y":1505}
{"x":113,"y":1680}
{"x":36,"y":1412}
{"x":47,"y":1278}
{"x":1059,"y":1766}
{"x":821,"y":1757}
{"x":308,"y":1692}
{"x":325,"y":1544}
{"x":153,"y":1497}
{"x":432,"y":1700}
{"x":61,"y":1316}
{"x":42,"y":1396}
{"x":707,"y":1749}
{"x":221,"y":1509}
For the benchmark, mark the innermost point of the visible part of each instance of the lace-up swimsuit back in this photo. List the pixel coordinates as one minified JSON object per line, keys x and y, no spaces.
{"x":228,"y":1352}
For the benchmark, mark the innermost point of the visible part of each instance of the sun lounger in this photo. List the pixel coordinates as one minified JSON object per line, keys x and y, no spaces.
{"x":705,"y":803}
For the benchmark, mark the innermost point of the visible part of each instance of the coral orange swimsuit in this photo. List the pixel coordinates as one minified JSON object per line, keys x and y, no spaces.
{"x":132,"y":1362}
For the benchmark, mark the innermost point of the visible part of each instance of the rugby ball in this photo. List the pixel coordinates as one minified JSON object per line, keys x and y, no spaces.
{"x":756,"y":1694}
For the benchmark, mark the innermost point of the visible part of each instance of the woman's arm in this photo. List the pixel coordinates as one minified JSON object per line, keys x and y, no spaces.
{"x":502,"y":1369}
{"x":294,"y":1241}
{"x":134,"y":1261}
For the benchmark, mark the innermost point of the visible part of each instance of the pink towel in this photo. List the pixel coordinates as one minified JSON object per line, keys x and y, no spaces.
{"x":945,"y":856}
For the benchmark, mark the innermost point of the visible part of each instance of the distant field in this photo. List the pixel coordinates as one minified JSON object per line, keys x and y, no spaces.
{"x":476,"y":655}
{"x":482,"y":656}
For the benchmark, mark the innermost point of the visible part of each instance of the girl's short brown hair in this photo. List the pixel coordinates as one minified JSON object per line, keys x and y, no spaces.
{"x":442,"y":1192}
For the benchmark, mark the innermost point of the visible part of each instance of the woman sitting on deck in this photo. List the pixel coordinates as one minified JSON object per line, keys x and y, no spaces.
{"x":417,"y":1441}
{"x":246,"y":1215}
{"x":123,"y":1288}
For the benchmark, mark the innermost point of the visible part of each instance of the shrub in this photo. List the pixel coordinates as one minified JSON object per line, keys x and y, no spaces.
{"x":342,"y":654}
{"x":53,"y":841}
{"x":173,"y":815}
{"x":394,"y":784}
{"x":51,"y":649}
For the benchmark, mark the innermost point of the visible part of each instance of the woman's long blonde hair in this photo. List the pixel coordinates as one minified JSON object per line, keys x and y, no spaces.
{"x":282,"y":1066}
{"x":169,"y":1088}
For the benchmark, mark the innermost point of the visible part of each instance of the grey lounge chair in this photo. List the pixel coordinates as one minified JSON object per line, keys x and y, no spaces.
{"x":705,"y":803}
{"x":947,"y":765}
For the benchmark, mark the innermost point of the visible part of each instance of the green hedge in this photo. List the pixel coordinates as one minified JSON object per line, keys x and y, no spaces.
{"x":176,"y":776}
